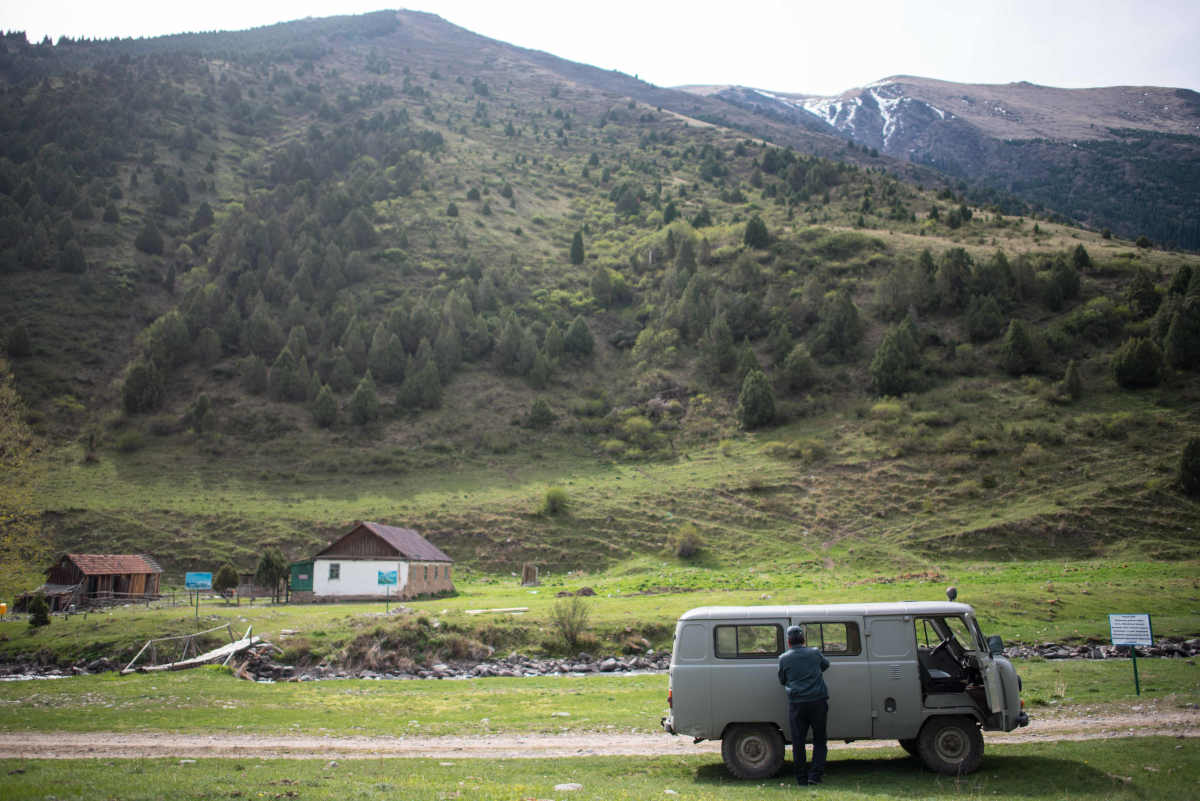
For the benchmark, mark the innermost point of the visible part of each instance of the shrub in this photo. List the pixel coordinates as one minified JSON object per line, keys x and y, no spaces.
{"x":1138,"y":363}
{"x":226,"y":578}
{"x":144,"y":388}
{"x":39,"y":611}
{"x":1189,"y":467}
{"x":18,"y":343}
{"x":149,"y":239}
{"x":569,"y":617}
{"x":686,"y":542}
{"x":540,"y":415}
{"x":325,"y":408}
{"x":364,"y":403}
{"x":556,"y":501}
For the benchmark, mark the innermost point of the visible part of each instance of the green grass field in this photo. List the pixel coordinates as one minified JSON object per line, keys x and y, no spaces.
{"x":211,"y":700}
{"x":1133,"y":769}
{"x":1026,"y":602}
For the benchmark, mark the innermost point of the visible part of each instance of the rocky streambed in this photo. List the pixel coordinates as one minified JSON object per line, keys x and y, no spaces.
{"x":259,"y":664}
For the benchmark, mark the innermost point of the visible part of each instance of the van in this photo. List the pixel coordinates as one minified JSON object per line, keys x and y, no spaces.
{"x":921,"y":673}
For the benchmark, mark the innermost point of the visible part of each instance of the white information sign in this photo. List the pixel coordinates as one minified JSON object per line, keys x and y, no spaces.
{"x":1130,"y":629}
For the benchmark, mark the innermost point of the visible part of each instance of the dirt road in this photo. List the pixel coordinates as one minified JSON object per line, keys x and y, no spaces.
{"x":72,"y":745}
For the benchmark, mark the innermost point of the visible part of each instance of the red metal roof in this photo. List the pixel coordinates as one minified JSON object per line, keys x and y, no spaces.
{"x":98,"y":564}
{"x":407,"y":542}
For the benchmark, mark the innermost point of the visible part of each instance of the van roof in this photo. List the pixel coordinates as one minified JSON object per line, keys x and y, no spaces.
{"x":812,"y":611}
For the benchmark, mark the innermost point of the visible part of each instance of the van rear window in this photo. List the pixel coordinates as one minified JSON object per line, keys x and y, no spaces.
{"x":752,"y":641}
{"x":834,"y":639}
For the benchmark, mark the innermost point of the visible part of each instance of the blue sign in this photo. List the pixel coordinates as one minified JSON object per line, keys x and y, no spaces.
{"x":387,"y":577}
{"x":198,"y":581}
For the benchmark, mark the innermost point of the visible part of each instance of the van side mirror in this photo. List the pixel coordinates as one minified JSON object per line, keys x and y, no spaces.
{"x":995,"y":645}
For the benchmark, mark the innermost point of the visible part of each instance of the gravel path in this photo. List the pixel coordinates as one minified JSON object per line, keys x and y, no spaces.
{"x":111,"y":745}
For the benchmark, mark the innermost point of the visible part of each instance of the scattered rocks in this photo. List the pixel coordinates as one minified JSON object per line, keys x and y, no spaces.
{"x":1167,"y":647}
{"x":568,"y":786}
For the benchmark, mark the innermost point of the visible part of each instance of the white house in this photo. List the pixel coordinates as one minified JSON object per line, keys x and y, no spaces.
{"x":350,"y":568}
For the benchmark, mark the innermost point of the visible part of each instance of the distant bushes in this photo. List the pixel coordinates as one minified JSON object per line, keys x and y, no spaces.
{"x":1138,"y":363}
{"x":555,"y":502}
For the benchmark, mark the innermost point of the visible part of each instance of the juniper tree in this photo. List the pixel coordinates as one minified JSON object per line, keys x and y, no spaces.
{"x":578,"y":341}
{"x":364,"y":404}
{"x":756,"y":401}
{"x":1138,"y":363}
{"x":1017,"y":353}
{"x":577,"y":248}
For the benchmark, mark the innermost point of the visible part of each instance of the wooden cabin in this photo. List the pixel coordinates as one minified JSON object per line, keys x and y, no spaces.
{"x":350,"y":568}
{"x":85,"y":579}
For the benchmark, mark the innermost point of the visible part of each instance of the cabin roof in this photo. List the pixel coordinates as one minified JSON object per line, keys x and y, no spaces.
{"x":407,"y":542}
{"x":103,"y":564}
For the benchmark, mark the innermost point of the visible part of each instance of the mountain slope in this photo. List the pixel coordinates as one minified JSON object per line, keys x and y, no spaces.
{"x":1123,"y":157}
{"x":260,"y":284}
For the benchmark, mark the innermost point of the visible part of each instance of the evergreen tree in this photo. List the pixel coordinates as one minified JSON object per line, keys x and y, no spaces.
{"x":985,"y":320}
{"x":207,"y":347}
{"x":1189,"y":467}
{"x":953,"y":278}
{"x":839,"y":327}
{"x":325,"y":408}
{"x":364,"y":404}
{"x":262,"y":334}
{"x":540,"y":415}
{"x":144,"y":388}
{"x":297,"y":341}
{"x":539,"y":373}
{"x":1072,"y":383}
{"x":890,"y":366}
{"x":448,"y":350}
{"x":746,"y":364}
{"x":341,"y":373}
{"x":1180,"y":281}
{"x":508,"y":347}
{"x":226,"y":579}
{"x":756,"y":235}
{"x":553,"y":345}
{"x":1080,"y":258}
{"x":602,"y":286}
{"x":149,"y":239}
{"x":283,"y":380}
{"x":254,"y":375}
{"x":799,"y":371}
{"x":718,"y":353}
{"x":1017,"y":353}
{"x":272,"y":571}
{"x":1182,"y":342}
{"x":756,"y":401}
{"x":17,"y":343}
{"x":578,"y":341}
{"x":1138,"y":363}
{"x":200,"y":417}
{"x":168,"y":340}
{"x":577,"y":248}
{"x":429,"y":385}
{"x":71,"y":258}
{"x":354,"y":343}
{"x":1142,"y":295}
{"x":39,"y":611}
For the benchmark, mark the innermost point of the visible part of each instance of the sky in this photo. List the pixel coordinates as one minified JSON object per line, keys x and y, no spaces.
{"x":821,"y":47}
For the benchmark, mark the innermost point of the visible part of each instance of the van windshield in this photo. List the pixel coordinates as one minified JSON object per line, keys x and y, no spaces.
{"x":932,"y":631}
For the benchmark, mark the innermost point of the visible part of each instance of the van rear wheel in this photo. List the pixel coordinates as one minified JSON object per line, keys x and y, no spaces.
{"x":752,"y":751}
{"x":952,"y":746}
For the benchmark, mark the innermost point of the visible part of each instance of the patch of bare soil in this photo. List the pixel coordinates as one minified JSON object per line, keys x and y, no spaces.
{"x":111,"y":745}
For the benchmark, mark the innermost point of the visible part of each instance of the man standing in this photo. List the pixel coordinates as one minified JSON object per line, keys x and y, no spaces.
{"x":800,"y":672}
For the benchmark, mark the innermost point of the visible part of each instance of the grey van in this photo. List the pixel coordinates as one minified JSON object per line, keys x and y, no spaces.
{"x":918,"y":672}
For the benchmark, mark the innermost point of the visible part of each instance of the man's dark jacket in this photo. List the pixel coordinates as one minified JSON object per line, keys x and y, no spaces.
{"x":800,"y":672}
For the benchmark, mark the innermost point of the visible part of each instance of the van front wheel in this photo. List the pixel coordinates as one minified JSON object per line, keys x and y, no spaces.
{"x":752,"y":751}
{"x":952,"y":746}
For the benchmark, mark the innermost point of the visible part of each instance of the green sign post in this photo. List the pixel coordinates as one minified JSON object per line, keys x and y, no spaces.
{"x":387,"y":579}
{"x":197,"y":582}
{"x":1131,"y":630}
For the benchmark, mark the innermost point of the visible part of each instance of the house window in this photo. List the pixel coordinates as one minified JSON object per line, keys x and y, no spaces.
{"x":435,"y":567}
{"x":335,"y":571}
{"x":427,"y":572}
{"x":446,"y":572}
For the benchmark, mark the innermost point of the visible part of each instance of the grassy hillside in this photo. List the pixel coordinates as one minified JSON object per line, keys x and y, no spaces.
{"x":209,"y":246}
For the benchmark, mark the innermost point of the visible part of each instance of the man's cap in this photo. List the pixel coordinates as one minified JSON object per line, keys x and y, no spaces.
{"x":795,"y":634}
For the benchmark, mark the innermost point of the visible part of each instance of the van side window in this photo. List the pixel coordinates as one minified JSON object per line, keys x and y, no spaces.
{"x":754,"y":641}
{"x":834,"y":639}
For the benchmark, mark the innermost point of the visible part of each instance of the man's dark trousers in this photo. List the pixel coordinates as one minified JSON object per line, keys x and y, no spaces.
{"x":802,"y":715}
